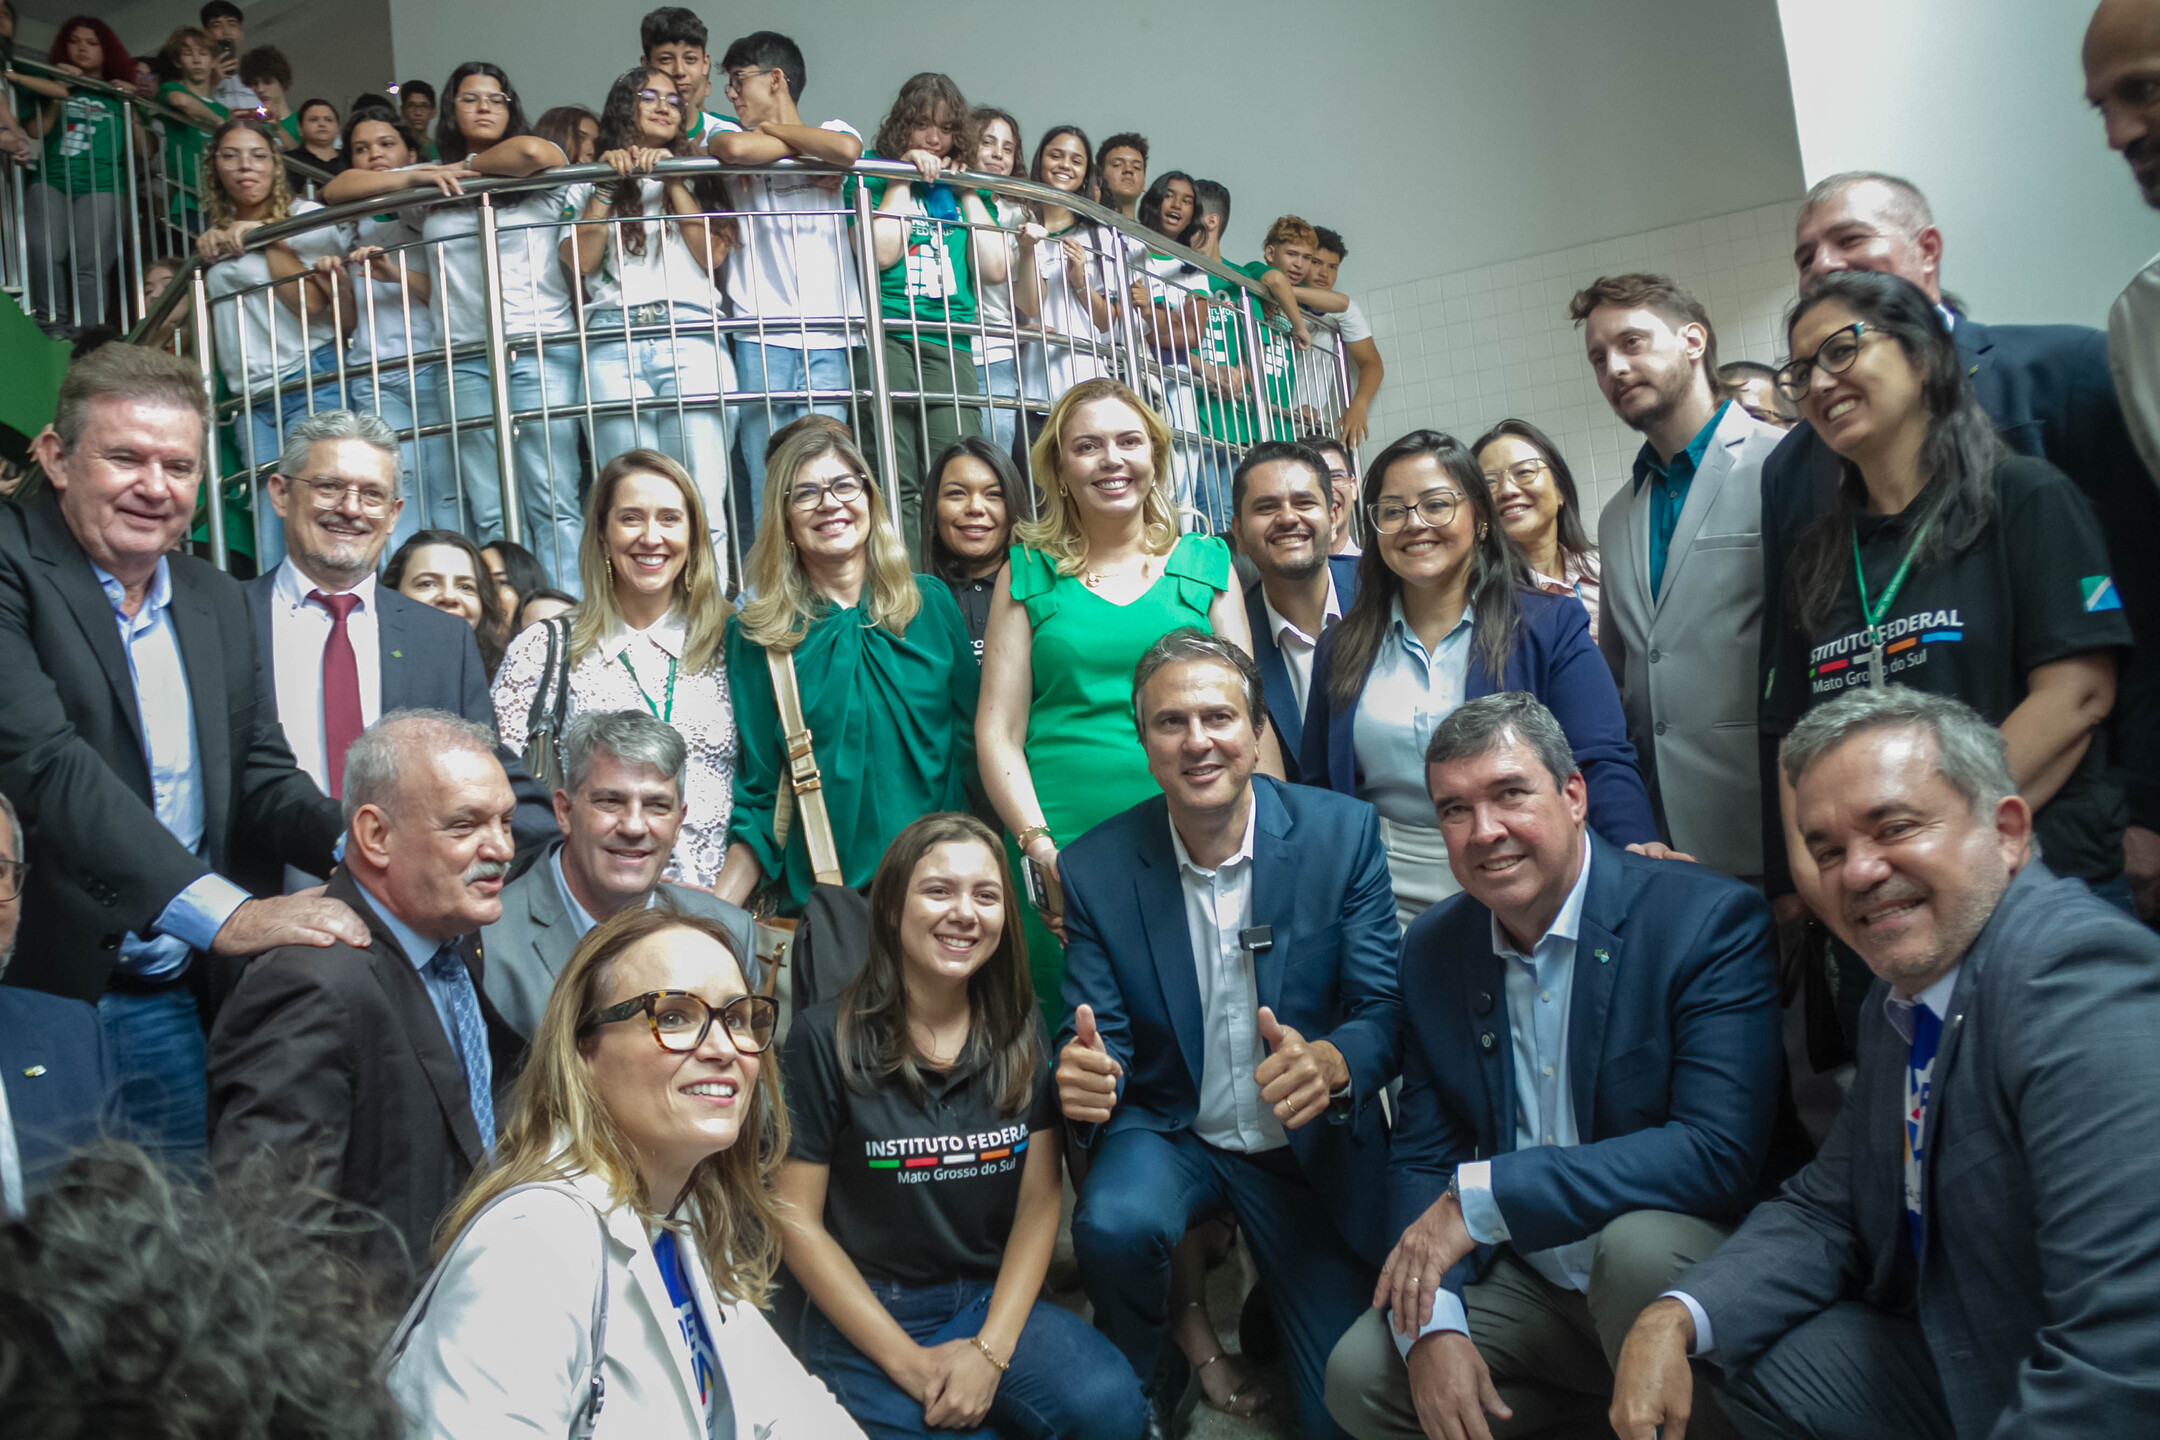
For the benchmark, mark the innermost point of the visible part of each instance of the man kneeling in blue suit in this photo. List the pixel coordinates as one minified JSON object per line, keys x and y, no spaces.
{"x":1590,"y":1070}
{"x":1230,"y":966}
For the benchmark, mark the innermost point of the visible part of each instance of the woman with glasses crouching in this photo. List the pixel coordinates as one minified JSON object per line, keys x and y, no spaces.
{"x":922,"y":1178}
{"x":647,"y":1124}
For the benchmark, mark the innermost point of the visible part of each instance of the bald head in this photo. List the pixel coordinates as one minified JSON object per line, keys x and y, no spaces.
{"x":1865,"y":220}
{"x":2122,"y":82}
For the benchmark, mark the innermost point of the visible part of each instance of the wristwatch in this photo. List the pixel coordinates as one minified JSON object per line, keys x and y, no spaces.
{"x":1454,"y":1188}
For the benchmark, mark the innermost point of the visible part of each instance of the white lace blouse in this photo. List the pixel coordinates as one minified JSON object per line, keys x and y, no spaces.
{"x":628,"y":670}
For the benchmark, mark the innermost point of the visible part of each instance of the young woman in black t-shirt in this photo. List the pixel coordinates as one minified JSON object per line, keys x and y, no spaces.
{"x":922,"y":1178}
{"x":975,"y":489}
{"x":1949,"y":564}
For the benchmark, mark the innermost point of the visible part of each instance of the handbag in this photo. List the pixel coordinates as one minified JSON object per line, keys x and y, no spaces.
{"x":804,"y":791}
{"x":544,"y":725}
{"x":588,"y":1412}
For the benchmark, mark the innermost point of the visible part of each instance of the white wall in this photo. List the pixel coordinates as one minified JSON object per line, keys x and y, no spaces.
{"x":1436,"y":134}
{"x":1981,"y":104}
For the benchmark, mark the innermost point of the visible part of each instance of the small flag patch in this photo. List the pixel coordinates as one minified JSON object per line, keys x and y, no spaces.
{"x":2100,"y":594}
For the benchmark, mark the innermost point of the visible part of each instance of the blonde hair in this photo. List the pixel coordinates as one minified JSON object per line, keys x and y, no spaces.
{"x":1056,"y":532}
{"x":218,"y":208}
{"x":780,"y":615}
{"x":559,"y":1126}
{"x":697,"y":588}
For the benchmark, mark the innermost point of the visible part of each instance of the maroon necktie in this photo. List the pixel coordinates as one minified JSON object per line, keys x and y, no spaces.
{"x":340,"y":689}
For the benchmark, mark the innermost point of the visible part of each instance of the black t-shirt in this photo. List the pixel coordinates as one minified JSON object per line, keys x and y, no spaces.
{"x":918,"y":1193}
{"x":973,"y":595}
{"x":2033,"y":589}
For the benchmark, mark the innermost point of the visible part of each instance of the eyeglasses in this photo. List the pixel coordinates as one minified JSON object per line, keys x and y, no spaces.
{"x":737,"y":79}
{"x":1833,"y":357}
{"x":1435,"y":508}
{"x":487,"y":99}
{"x":11,"y":877}
{"x":1522,"y":472}
{"x":680,"y":1020}
{"x":329,"y":492}
{"x":810,"y":497}
{"x":668,"y":98}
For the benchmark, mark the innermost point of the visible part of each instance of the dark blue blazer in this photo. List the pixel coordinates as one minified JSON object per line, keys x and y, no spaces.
{"x":59,"y":1080}
{"x":2050,"y":392}
{"x":1674,"y":1058}
{"x":430,"y":661}
{"x":1320,"y":882}
{"x":1282,"y":707}
{"x":1556,"y":660}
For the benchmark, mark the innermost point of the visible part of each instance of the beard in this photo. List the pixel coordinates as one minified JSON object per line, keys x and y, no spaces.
{"x":2144,"y":159}
{"x":1671,"y":390}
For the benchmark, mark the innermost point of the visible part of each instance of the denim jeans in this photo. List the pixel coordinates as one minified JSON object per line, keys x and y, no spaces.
{"x":545,"y":453}
{"x":781,"y":370}
{"x":156,"y":1044}
{"x":259,"y":432}
{"x":1066,"y":1382}
{"x":676,"y":380}
{"x":1002,"y":377}
{"x":406,"y":401}
{"x":1211,"y":486}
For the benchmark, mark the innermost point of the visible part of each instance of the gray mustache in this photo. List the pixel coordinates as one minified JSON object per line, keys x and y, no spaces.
{"x":487,"y":870}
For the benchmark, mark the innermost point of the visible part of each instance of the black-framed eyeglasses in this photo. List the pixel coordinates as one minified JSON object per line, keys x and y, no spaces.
{"x":680,"y":1020}
{"x":1833,"y":357}
{"x":810,"y":495}
{"x":12,"y":875}
{"x":661,"y":97}
{"x":1522,"y":472}
{"x":1434,"y":507}
{"x":738,"y":78}
{"x":327,"y":492}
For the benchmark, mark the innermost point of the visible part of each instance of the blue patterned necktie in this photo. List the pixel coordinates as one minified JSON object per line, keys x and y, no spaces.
{"x":449,"y":967}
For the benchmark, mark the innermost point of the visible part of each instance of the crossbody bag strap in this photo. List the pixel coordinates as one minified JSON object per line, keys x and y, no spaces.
{"x":803,"y":777}
{"x":561,"y":710}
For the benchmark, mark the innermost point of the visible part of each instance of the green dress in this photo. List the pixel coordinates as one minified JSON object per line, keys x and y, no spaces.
{"x":1083,"y":750}
{"x":892,"y":723}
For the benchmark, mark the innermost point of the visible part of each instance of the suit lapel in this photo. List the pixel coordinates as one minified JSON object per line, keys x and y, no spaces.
{"x":1484,"y":981}
{"x":543,"y":907}
{"x":56,"y":546}
{"x":1635,"y":539}
{"x":1598,"y":959}
{"x":262,"y":602}
{"x":1274,"y":673}
{"x":625,"y":1228}
{"x":1161,"y":902}
{"x":409,"y":999}
{"x":202,"y":657}
{"x":1274,"y":891}
{"x":393,"y":633}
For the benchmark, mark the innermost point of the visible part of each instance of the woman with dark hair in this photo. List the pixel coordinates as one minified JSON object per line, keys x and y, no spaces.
{"x":72,"y":213}
{"x":975,"y":488}
{"x":1446,"y":612}
{"x":643,"y":273}
{"x":442,"y":568}
{"x":1534,"y":491}
{"x":516,"y":573}
{"x":1063,"y":279}
{"x":482,"y":130}
{"x":572,"y":128}
{"x":996,"y":349}
{"x":924,"y":1266}
{"x":320,"y":141}
{"x":1169,"y":296}
{"x":1947,"y":564}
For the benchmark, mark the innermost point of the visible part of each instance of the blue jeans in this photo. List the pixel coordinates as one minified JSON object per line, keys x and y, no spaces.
{"x":259,"y":432}
{"x":156,"y":1043}
{"x":546,"y":453}
{"x":1002,"y":377}
{"x":778,"y":370}
{"x":429,"y":470}
{"x":1066,"y":1382}
{"x":1141,"y":1193}
{"x":1211,"y":486}
{"x":676,"y":381}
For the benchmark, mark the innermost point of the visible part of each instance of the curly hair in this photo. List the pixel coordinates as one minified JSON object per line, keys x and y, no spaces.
{"x":619,"y":131}
{"x":927,"y":99}
{"x":117,"y":66}
{"x":133,"y":1303}
{"x":218,"y":207}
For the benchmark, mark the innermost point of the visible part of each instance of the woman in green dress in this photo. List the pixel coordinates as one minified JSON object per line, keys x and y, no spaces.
{"x":883,"y":663}
{"x":1101,"y":576}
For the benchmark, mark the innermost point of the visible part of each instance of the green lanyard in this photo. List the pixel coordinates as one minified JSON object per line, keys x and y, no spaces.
{"x":1879,"y":611}
{"x":667,"y":716}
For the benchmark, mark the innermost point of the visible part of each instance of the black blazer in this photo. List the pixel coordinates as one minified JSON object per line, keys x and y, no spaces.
{"x":430,"y":661}
{"x":336,"y":1061}
{"x":2050,"y":392}
{"x":71,"y":756}
{"x":58,"y":1078}
{"x":1284,"y":712}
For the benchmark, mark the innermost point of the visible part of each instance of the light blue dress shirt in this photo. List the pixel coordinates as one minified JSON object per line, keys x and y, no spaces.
{"x":1218,"y":909}
{"x":193,"y":917}
{"x":419,"y":950}
{"x":1408,"y":692}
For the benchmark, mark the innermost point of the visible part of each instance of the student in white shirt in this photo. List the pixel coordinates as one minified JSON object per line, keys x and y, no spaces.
{"x":1355,"y":333}
{"x":1170,"y":297}
{"x":997,"y":348}
{"x":651,"y":273}
{"x":1062,"y":280}
{"x":793,"y":272}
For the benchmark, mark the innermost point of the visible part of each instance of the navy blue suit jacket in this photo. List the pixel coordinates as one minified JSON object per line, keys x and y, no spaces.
{"x":59,"y":1080}
{"x":430,"y":661}
{"x":1283,"y":710}
{"x":1555,"y":660}
{"x":2050,"y":393}
{"x":1674,"y":1058}
{"x":1320,"y":882}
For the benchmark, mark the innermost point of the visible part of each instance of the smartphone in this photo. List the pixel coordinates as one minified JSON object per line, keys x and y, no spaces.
{"x":225,"y":49}
{"x":1044,"y":892}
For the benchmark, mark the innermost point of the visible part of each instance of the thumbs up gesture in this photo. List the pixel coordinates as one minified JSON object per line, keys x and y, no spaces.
{"x":1298,"y":1075}
{"x":1086,"y":1075}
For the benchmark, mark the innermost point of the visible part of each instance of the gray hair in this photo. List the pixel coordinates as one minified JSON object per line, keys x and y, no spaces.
{"x":1970,"y":754}
{"x":326,"y":425}
{"x":1186,"y":644}
{"x":1908,"y":207}
{"x":372,"y":765}
{"x":1476,"y":727}
{"x":631,"y":736}
{"x":121,"y":373}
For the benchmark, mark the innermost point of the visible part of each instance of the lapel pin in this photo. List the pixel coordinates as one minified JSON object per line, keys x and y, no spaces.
{"x":1602,"y":957}
{"x":34,"y":1071}
{"x":397,"y":654}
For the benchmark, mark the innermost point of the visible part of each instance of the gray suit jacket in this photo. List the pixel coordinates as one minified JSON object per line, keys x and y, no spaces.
{"x":1685,"y":661}
{"x":527,"y":948}
{"x":2038,"y":1289}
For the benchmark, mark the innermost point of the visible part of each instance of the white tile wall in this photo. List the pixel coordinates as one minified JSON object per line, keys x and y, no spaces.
{"x":1473,"y":347}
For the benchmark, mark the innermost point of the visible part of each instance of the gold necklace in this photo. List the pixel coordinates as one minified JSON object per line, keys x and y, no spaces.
{"x":1096,"y":579}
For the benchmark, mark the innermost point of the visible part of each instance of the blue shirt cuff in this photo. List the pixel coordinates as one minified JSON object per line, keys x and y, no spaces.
{"x":1705,"y":1341}
{"x":197,"y":913}
{"x":1447,"y":1314}
{"x":1480,"y":1211}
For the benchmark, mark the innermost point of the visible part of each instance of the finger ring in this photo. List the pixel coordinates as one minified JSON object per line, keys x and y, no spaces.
{"x":1414,"y":1279}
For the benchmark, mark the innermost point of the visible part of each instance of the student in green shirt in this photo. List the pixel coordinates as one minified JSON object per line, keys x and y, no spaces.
{"x":73,"y":212}
{"x":187,"y":67}
{"x":932,"y":243}
{"x":267,"y":72}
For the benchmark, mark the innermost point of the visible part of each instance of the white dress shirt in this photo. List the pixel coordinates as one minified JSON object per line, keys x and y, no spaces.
{"x":1295,"y":646}
{"x":299,"y":629}
{"x":1218,"y":905}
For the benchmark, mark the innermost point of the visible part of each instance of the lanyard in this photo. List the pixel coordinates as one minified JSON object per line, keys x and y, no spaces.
{"x":668,"y":716}
{"x":1874,"y":614}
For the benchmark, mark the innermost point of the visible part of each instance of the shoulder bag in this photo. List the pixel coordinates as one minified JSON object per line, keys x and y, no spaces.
{"x":550,"y":709}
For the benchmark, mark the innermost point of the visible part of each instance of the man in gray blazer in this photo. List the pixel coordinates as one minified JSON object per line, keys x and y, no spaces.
{"x":619,"y":813}
{"x":1681,"y":548}
{"x":1976,"y":1251}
